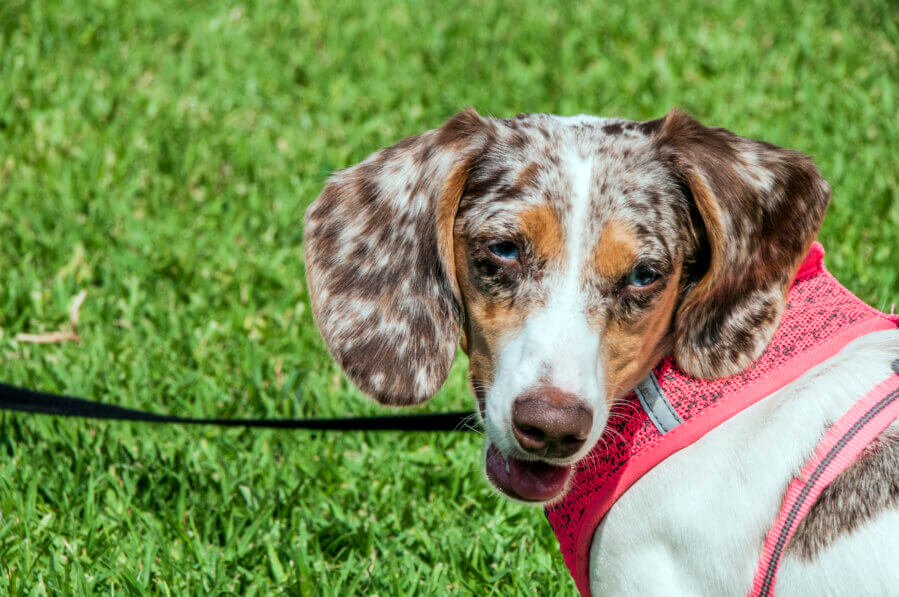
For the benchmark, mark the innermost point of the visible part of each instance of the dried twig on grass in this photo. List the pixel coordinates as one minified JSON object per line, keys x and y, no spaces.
{"x":70,"y":335}
{"x":48,"y":338}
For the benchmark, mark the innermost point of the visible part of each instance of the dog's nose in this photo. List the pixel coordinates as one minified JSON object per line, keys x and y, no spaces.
{"x":549,"y":422}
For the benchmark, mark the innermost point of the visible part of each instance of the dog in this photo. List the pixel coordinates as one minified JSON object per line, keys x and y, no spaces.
{"x":568,"y":256}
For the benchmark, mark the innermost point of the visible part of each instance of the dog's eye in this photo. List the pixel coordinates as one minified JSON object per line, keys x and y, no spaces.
{"x":505,"y":250}
{"x":642,"y":276}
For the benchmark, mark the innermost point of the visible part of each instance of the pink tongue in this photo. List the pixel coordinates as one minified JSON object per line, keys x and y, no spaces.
{"x":529,"y":481}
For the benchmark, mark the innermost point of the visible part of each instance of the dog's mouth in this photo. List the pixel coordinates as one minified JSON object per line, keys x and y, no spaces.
{"x":526,"y":480}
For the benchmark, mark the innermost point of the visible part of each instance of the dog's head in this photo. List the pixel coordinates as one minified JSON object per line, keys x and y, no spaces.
{"x":569,"y":254}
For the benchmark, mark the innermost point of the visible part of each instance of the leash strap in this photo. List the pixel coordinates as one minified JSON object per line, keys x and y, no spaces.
{"x":18,"y":399}
{"x":841,"y":445}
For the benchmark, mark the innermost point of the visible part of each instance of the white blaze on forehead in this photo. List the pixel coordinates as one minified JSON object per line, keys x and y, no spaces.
{"x":570,"y":361}
{"x":556,"y":346}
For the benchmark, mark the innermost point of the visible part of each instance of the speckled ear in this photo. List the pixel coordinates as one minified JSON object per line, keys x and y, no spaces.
{"x":379,"y":261}
{"x":761,"y":207}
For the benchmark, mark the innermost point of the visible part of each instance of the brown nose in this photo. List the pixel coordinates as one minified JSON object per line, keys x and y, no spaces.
{"x":549,"y":422}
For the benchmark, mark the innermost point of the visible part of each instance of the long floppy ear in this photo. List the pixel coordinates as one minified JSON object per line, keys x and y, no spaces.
{"x":379,"y":261}
{"x":761,"y":207}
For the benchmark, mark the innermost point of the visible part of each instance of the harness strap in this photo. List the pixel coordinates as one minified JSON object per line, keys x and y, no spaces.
{"x":839,"y":448}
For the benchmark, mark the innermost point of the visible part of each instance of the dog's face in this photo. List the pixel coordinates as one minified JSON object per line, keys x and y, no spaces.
{"x":568,"y":255}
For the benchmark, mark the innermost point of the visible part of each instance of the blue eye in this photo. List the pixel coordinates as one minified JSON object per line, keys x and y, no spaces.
{"x":642,"y":276}
{"x":505,"y":250}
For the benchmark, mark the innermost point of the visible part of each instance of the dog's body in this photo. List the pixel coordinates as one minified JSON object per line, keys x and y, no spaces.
{"x":570,"y":255}
{"x":694,"y":524}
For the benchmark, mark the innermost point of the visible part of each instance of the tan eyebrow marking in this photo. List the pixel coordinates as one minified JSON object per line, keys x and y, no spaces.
{"x":616,"y":250}
{"x":542,"y":228}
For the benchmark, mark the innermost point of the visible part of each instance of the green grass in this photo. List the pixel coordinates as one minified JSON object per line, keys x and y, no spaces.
{"x":159,"y":155}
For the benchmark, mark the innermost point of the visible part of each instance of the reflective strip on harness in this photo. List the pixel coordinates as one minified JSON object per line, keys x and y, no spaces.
{"x":841,"y":445}
{"x":656,"y":405}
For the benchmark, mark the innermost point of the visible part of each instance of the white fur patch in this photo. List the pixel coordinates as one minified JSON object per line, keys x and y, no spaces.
{"x":695,"y":524}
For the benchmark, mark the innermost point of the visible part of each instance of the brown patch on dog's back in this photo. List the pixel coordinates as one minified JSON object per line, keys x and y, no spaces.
{"x":616,"y":128}
{"x":616,"y":250}
{"x":867,"y":487}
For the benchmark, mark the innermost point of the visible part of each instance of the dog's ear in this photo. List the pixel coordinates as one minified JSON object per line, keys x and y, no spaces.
{"x":760,"y":207}
{"x":380,"y":266}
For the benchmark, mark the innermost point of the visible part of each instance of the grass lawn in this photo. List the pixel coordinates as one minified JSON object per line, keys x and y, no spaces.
{"x":160,"y":155}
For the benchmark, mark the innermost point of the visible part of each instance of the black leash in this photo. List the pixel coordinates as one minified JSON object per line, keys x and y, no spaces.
{"x":32,"y":401}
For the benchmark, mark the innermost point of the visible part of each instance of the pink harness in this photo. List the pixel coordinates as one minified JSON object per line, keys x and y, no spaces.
{"x":670,"y":410}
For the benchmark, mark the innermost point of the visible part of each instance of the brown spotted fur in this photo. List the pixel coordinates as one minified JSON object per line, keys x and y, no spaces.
{"x":398,"y":266}
{"x":377,"y":261}
{"x":398,"y":269}
{"x":761,"y":206}
{"x":733,"y":216}
{"x":866,"y":488}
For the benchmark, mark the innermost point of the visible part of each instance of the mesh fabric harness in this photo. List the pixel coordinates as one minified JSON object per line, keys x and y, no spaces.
{"x":821,"y":318}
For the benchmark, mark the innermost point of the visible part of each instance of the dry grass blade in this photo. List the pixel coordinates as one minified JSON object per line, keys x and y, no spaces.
{"x":48,"y":338}
{"x":75,"y":309}
{"x":70,"y":335}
